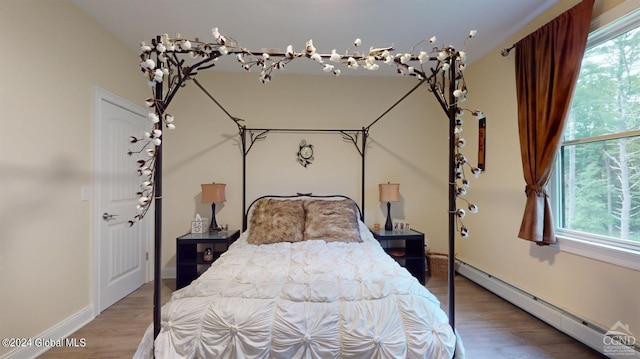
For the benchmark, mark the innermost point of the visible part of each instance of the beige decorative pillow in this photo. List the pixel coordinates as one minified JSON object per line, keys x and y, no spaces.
{"x":274,"y":221}
{"x":333,"y":221}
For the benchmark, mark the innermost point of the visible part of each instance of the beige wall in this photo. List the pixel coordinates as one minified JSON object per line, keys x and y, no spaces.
{"x":205,"y":147}
{"x":597,"y":291}
{"x":58,"y":54}
{"x":52,"y":56}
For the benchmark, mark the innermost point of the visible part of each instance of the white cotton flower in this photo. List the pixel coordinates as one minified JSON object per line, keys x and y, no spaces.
{"x":461,"y":191}
{"x":423,"y":56}
{"x":240,"y":58}
{"x":223,"y":50}
{"x":156,"y":133}
{"x":144,"y":47}
{"x":465,"y":182}
{"x":161,"y":48}
{"x":445,"y":66}
{"x":386,"y":55}
{"x":310,"y":48}
{"x":146,"y":171}
{"x":215,"y":33}
{"x":150,"y":64}
{"x":171,"y":126}
{"x":478,"y":115}
{"x":158,"y":75}
{"x":156,"y":141}
{"x":462,"y":56}
{"x":405,"y":58}
{"x":352,"y":63}
{"x":316,"y":57}
{"x":168,"y":118}
{"x":357,"y":42}
{"x":457,"y":93}
{"x":265,"y":77}
{"x":150,"y":152}
{"x":171,"y":46}
{"x":371,"y":66}
{"x":460,"y":213}
{"x":335,"y":57}
{"x":147,"y":134}
{"x":473,"y":208}
{"x":146,"y":185}
{"x":337,"y":72}
{"x":461,"y":142}
{"x":457,"y":130}
{"x":473,"y":33}
{"x":186,"y":44}
{"x":279,"y":65}
{"x":265,"y":56}
{"x":327,"y":68}
{"x":143,"y":201}
{"x":442,"y":55}
{"x":153,"y":117}
{"x":464,"y":232}
{"x":165,"y":71}
{"x":461,"y":67}
{"x":149,"y":102}
{"x":432,"y":39}
{"x":476,"y":172}
{"x":289,"y":53}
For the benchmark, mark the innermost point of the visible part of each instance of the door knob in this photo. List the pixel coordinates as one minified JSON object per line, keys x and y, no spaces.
{"x":107,"y":217}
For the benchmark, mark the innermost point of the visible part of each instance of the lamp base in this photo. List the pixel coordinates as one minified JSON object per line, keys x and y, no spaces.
{"x":388,"y":226}
{"x":213,"y":227}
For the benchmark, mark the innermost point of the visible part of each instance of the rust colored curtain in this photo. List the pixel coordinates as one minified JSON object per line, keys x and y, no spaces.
{"x":547,"y":67}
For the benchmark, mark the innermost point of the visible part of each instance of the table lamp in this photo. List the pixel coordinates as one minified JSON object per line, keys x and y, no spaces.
{"x":212,"y":193}
{"x":389,"y":192}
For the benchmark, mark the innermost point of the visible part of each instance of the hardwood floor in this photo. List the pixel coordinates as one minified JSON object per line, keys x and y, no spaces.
{"x":490,"y":327}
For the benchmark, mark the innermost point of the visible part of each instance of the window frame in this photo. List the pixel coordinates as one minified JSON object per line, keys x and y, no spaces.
{"x":616,"y":21}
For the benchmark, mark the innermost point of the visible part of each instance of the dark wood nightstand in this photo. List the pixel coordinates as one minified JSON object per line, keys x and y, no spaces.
{"x":411,"y":255}
{"x":190,"y":253}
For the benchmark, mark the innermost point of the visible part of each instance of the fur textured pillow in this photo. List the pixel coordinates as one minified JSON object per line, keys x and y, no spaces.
{"x":274,"y":221}
{"x":332,"y":221}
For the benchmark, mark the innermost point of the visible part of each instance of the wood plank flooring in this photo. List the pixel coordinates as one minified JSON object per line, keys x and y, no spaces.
{"x":490,"y":327}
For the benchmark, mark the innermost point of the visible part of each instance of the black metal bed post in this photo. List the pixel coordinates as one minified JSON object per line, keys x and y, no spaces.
{"x":243,"y":139}
{"x":451,"y":112}
{"x":157,"y":243}
{"x":365,"y":133}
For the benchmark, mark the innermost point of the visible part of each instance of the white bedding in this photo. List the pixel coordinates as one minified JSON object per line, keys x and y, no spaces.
{"x":309,"y":299}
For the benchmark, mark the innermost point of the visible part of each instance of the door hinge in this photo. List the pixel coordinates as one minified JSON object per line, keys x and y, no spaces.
{"x":147,"y":256}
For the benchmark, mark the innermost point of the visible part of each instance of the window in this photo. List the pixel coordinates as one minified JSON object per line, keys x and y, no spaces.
{"x":596,"y":186}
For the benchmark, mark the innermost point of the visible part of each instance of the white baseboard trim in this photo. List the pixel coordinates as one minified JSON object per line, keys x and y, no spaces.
{"x":587,"y":333}
{"x":59,"y":332}
{"x":168,"y":273}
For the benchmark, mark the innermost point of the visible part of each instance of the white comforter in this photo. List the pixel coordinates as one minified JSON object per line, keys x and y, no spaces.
{"x":309,"y":299}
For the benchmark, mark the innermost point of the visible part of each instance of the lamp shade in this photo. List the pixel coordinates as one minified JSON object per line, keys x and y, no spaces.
{"x":389,"y":192}
{"x":213,"y":192}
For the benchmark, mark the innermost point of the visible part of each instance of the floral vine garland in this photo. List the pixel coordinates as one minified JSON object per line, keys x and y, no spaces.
{"x":164,"y":65}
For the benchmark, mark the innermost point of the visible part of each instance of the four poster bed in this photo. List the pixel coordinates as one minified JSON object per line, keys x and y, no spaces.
{"x":306,"y":278}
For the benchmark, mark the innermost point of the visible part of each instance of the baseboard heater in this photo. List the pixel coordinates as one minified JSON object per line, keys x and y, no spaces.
{"x":580,"y":329}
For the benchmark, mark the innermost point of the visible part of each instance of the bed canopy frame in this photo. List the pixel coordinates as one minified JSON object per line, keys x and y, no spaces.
{"x":168,"y":63}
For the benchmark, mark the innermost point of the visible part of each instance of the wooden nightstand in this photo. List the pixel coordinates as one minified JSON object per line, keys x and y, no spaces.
{"x":190,"y":256}
{"x":411,"y":255}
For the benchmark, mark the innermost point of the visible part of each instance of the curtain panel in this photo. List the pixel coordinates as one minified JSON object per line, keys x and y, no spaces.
{"x":547,"y":67}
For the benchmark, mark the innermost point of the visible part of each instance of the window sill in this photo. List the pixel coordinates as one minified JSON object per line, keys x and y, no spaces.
{"x":623,"y":257}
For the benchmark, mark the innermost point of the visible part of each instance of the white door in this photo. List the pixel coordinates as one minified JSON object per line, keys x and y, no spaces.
{"x":122,"y":250}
